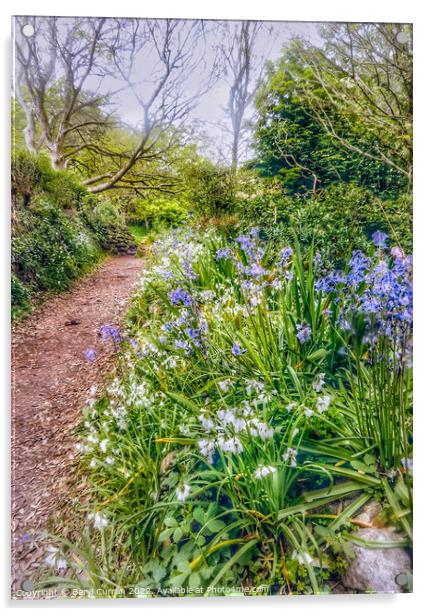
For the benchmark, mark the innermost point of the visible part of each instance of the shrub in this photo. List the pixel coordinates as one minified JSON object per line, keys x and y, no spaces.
{"x":210,"y":188}
{"x":159,"y":211}
{"x":341,"y":219}
{"x":26,"y":176}
{"x":20,"y":298}
{"x":33,"y":175}
{"x":49,"y":249}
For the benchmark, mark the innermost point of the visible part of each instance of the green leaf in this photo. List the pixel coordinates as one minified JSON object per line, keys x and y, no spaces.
{"x":194,"y":580}
{"x":348,"y":549}
{"x":227,"y":566}
{"x":165,"y":534}
{"x":214,"y":526}
{"x":184,"y":566}
{"x":199,"y":515}
{"x":178,"y":580}
{"x":169,"y":521}
{"x":158,"y":572}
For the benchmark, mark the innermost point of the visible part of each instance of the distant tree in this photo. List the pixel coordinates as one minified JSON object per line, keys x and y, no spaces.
{"x":68,"y":74}
{"x":53,"y":67}
{"x":242,"y":66}
{"x":364,"y":74}
{"x":294,"y":146}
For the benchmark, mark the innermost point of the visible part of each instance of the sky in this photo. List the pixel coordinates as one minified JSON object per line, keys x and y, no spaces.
{"x":209,"y":117}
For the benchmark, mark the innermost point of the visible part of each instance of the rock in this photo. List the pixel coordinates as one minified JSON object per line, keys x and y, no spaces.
{"x":370,"y":514}
{"x":376,"y":569}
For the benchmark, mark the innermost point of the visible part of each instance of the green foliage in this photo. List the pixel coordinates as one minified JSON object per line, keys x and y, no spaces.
{"x":50,"y":248}
{"x":209,"y":188}
{"x":20,"y":298}
{"x":51,"y":242}
{"x":339,"y":220}
{"x":293,"y":146}
{"x":159,"y":211}
{"x":211,"y":459}
{"x":32,"y":175}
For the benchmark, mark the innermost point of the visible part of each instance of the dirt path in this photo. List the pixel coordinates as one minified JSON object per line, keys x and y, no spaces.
{"x":51,"y":381}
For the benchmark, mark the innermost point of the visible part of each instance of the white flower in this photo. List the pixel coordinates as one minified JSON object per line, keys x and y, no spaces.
{"x":225,"y":385}
{"x":104,"y":445}
{"x":53,"y":559}
{"x":231,"y":445}
{"x":290,"y":406}
{"x":99,"y":520}
{"x":304,"y":558}
{"x":182,"y":492}
{"x":263,"y":471}
{"x":290,"y":456}
{"x":308,"y":412}
{"x":206,"y":422}
{"x":323,"y":403}
{"x":183,"y":429}
{"x":253,"y":385}
{"x":122,"y":424}
{"x":318,"y":382}
{"x":206,"y":448}
{"x":109,"y":460}
{"x":261,"y":428}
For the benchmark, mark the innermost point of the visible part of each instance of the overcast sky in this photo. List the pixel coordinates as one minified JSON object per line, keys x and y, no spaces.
{"x":209,"y":116}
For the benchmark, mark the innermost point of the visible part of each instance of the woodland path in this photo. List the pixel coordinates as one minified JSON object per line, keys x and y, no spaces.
{"x":51,"y":379}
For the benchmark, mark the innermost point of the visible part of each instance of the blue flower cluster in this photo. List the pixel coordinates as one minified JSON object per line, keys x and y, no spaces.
{"x":110,"y":332}
{"x":180,"y":296}
{"x":380,"y":289}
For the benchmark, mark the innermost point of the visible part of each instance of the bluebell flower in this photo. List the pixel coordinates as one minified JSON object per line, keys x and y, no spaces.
{"x":245,"y":242}
{"x":397,"y":252}
{"x":237,"y":350}
{"x":180,"y":296}
{"x":379,"y":239}
{"x":303,"y":332}
{"x":283,"y":257}
{"x":90,"y":354}
{"x":256,"y":271}
{"x":110,"y":331}
{"x":167,"y":327}
{"x":222,"y":253}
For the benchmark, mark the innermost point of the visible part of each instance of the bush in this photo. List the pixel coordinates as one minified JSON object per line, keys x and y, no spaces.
{"x":33,"y":175}
{"x":20,"y":298}
{"x":340,"y":219}
{"x":26,"y":176}
{"x":210,"y":188}
{"x":159,"y":211}
{"x":49,"y":249}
